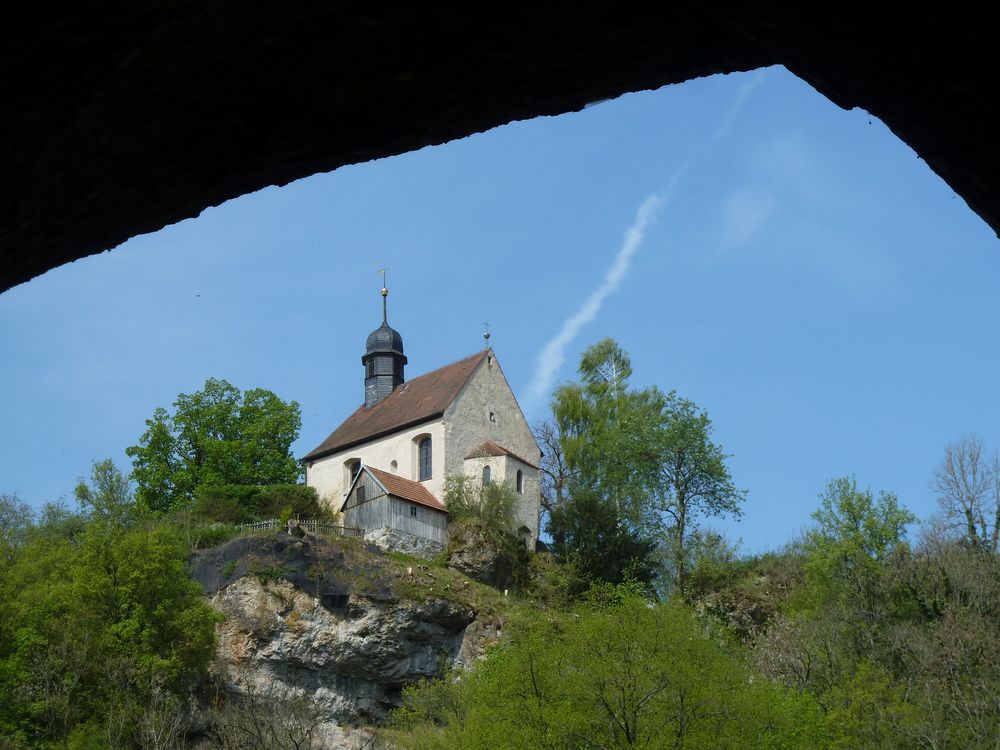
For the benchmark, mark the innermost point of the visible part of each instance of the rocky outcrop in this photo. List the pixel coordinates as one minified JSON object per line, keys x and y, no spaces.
{"x":351,"y":663}
{"x":337,"y":623}
{"x":394,"y":540}
{"x":476,"y":554}
{"x":123,"y":120}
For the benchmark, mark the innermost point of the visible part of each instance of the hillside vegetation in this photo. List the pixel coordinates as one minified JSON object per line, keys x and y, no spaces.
{"x":134,"y":623}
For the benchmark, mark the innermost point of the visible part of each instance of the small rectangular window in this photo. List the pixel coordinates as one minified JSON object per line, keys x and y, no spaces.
{"x":413,"y":511}
{"x":360,"y":493}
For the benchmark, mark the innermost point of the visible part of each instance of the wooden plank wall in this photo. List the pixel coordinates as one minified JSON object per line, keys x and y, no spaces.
{"x":381,"y":510}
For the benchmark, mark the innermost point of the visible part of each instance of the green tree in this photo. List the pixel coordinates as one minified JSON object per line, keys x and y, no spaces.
{"x":854,"y":528}
{"x":492,"y":506}
{"x":588,"y":533}
{"x":617,"y":672}
{"x":647,"y":454}
{"x":691,"y":479}
{"x":94,"y":630}
{"x":216,"y":436}
{"x":108,"y":497}
{"x":16,"y":519}
{"x":854,"y":537}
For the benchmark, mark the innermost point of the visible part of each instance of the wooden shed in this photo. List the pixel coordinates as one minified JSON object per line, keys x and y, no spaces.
{"x":377,"y":499}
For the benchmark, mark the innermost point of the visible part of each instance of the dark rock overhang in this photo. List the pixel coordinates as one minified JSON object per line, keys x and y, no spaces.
{"x":119,"y":119}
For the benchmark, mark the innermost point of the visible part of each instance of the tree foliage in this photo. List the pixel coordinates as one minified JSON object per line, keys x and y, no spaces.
{"x":15,"y":519}
{"x":95,"y":630}
{"x":491,"y":506}
{"x":897,"y":642}
{"x":589,"y":535}
{"x":216,"y":436}
{"x":108,"y":498}
{"x":642,"y":460}
{"x":614,"y":673}
{"x":853,"y":526}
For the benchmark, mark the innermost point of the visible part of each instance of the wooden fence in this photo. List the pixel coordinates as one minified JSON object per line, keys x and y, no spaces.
{"x":311,"y":526}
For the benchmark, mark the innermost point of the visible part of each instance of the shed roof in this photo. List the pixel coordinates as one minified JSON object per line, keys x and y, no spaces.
{"x":397,"y":486}
{"x":489,"y":448}
{"x":424,"y":398}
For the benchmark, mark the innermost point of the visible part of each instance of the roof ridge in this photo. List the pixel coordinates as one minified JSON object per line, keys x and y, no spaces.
{"x":425,"y":397}
{"x":480,"y":353}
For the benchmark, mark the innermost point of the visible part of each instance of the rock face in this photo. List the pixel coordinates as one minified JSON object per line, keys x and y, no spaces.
{"x":474,"y":554}
{"x":351,"y":663}
{"x":123,"y":119}
{"x":394,"y":540}
{"x":336,"y":623}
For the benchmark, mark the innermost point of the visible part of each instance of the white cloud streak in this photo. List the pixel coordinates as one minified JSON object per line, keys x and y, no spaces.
{"x":552,"y":356}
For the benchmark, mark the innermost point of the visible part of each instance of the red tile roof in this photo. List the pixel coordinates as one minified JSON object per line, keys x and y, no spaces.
{"x":415,"y":401}
{"x":406,"y":489}
{"x":489,"y":448}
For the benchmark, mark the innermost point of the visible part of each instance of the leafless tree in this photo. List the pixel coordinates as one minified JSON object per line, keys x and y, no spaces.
{"x":555,"y":473}
{"x":250,"y":720}
{"x":163,"y":724}
{"x":968,"y":485}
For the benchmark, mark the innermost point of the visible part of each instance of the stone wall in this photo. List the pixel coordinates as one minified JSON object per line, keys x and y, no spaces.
{"x":468,"y":424}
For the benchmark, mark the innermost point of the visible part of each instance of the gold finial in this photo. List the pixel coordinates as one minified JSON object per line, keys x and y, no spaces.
{"x":486,"y":332}
{"x":385,"y":293}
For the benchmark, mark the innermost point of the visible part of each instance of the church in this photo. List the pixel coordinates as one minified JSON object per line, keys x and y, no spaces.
{"x":384,"y":467}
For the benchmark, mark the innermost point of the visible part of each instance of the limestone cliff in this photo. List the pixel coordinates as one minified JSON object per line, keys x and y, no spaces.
{"x":339,"y":623}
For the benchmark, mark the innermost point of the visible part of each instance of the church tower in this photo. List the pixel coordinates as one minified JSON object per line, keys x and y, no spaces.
{"x":383,"y":360}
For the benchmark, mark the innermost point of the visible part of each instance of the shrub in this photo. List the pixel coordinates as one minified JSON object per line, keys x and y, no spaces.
{"x":210,"y":536}
{"x":491,"y":507}
{"x":273,"y":499}
{"x":230,"y":503}
{"x":236,"y":503}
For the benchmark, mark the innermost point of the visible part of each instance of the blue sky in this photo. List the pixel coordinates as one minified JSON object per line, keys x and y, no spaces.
{"x":799,"y":273}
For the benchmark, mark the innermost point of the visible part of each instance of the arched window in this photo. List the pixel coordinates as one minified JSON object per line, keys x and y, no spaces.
{"x":351,"y":468}
{"x":520,"y":481}
{"x":486,"y":475}
{"x":424,"y":459}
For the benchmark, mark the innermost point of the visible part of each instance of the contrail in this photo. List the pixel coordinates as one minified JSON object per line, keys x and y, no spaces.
{"x":552,"y":356}
{"x":554,"y":353}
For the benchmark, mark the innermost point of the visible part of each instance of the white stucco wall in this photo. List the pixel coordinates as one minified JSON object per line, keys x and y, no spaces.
{"x":330,"y":479}
{"x":467,"y":425}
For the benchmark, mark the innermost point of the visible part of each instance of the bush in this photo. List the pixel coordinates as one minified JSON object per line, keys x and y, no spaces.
{"x":303,"y":501}
{"x":491,"y":507}
{"x":617,"y":671}
{"x":211,"y":536}
{"x":236,"y":503}
{"x":229,"y":503}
